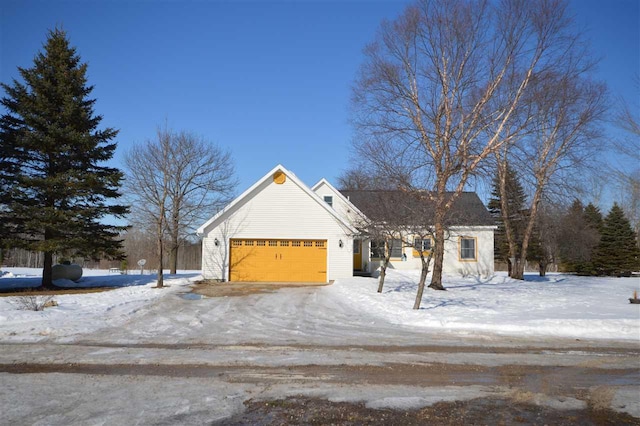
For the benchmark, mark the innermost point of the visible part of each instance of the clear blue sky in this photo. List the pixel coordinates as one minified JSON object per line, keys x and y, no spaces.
{"x":268,"y":80}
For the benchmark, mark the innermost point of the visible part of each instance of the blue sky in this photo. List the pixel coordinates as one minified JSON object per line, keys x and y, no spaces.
{"x":268,"y":80}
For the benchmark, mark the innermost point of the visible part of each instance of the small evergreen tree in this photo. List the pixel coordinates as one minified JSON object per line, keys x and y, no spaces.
{"x":617,"y":253}
{"x":51,"y":144}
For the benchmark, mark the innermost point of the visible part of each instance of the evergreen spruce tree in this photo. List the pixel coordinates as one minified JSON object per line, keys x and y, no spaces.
{"x":593,"y":223}
{"x":593,"y":217}
{"x":578,"y":238}
{"x":617,"y":253}
{"x":59,"y":193}
{"x":516,"y":199}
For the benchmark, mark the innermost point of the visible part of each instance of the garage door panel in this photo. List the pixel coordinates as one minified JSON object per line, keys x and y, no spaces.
{"x":278,"y":260}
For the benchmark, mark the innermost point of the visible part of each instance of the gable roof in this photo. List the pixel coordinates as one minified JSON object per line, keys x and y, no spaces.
{"x":467,"y":210}
{"x":293,"y":178}
{"x":346,"y":200}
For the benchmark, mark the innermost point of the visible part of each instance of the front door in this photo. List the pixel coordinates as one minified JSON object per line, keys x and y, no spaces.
{"x":357,"y":255}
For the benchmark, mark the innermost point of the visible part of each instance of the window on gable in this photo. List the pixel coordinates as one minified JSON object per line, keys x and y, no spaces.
{"x":329,"y":200}
{"x":467,"y":248}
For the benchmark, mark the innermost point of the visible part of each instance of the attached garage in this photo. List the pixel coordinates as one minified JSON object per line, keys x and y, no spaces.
{"x":279,"y":230}
{"x":278,"y":260}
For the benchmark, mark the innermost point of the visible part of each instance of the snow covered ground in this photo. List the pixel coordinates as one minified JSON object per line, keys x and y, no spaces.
{"x":561,"y":306}
{"x":265,"y":336}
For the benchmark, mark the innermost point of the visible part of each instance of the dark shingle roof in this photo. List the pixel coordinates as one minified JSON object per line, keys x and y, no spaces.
{"x":467,"y":210}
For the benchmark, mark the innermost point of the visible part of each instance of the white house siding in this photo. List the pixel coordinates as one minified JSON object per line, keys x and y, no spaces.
{"x":341,"y":207}
{"x":273,"y":211}
{"x":452,"y":265}
{"x":484,"y":263}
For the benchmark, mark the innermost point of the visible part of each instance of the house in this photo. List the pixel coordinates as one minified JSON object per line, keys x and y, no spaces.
{"x":469,"y":239}
{"x":280,"y":230}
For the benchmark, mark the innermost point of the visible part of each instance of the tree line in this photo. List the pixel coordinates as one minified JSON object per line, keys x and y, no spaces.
{"x":577,"y":239}
{"x":59,"y":201}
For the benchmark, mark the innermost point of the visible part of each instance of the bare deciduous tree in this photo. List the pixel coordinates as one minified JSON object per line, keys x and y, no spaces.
{"x":561,"y":128}
{"x":201,"y":182}
{"x":175,"y":182}
{"x":440,"y":85}
{"x":147,"y":186}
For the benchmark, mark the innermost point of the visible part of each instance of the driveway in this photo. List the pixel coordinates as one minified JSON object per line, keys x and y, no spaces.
{"x":224,"y":359}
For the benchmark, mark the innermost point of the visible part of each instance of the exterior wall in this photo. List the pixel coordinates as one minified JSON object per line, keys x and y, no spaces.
{"x":275,"y":211}
{"x":339,"y":205}
{"x":452,"y":265}
{"x":484,"y":264}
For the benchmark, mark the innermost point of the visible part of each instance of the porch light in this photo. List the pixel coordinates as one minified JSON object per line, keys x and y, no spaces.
{"x":216,"y":242}
{"x":340,"y":243}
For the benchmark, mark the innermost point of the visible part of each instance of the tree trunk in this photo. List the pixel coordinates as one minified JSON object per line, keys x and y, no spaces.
{"x":506,"y":217}
{"x":160,"y":258}
{"x":542,"y":268}
{"x":383,"y":272}
{"x":173,"y":256}
{"x":175,"y":240}
{"x":533,"y":211}
{"x":423,"y":279}
{"x":383,"y":266}
{"x":438,"y":254}
{"x":47,"y":271}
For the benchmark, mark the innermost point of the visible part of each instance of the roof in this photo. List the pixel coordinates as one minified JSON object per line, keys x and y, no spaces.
{"x":323,"y":181}
{"x":231,"y":206}
{"x":405,"y":207}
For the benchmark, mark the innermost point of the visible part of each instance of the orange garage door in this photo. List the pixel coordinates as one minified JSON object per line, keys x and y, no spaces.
{"x":278,"y":260}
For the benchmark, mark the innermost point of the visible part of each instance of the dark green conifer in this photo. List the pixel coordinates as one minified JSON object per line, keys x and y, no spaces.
{"x":593,"y":217}
{"x":56,"y":193}
{"x":617,"y":253}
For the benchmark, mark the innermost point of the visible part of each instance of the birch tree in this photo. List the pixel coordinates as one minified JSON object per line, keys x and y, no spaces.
{"x":440,"y":84}
{"x":564,"y":112}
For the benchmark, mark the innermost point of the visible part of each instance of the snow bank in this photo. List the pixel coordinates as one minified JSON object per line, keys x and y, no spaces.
{"x":348,"y":312}
{"x":82,"y":313}
{"x":557,"y":305}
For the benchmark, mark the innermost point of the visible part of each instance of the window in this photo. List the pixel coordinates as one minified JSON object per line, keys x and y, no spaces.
{"x":273,"y":243}
{"x":308,"y":243}
{"x":467,"y":248}
{"x":396,"y":248}
{"x":377,"y":249}
{"x":356,"y":246}
{"x":261,"y":243}
{"x":284,"y":243}
{"x":422,"y":244}
{"x":329,"y":200}
{"x":295,"y":243}
{"x":319,"y":243}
